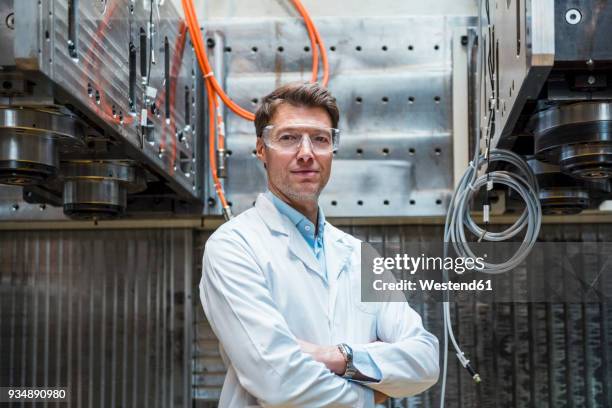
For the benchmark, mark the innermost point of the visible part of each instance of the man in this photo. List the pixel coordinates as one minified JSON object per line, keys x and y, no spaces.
{"x":281,"y":286}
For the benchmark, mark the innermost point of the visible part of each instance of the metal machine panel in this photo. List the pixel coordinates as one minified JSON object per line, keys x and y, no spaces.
{"x":125,"y":69}
{"x":96,"y":73}
{"x":575,"y":40}
{"x":546,"y":92}
{"x":520,"y":51}
{"x":526,"y":40}
{"x":394,"y":92}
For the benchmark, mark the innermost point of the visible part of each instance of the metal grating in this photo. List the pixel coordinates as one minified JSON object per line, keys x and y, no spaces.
{"x":105,"y":313}
{"x":208,"y":368}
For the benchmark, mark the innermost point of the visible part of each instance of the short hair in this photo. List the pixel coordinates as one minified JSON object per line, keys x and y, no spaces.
{"x":309,"y":94}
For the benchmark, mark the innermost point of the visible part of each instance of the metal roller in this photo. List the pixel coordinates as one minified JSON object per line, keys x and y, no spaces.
{"x":99,"y":189}
{"x":559,"y":194}
{"x":30,"y":142}
{"x":577,"y":137}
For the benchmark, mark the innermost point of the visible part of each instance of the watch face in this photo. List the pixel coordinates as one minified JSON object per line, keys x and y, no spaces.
{"x":350,"y":368}
{"x":347,"y":353}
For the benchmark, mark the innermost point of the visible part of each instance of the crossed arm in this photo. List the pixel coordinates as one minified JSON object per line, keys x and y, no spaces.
{"x":273,"y":365}
{"x":335,"y":362}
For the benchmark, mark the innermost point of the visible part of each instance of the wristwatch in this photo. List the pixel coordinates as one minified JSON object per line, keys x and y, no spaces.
{"x":347,"y":352}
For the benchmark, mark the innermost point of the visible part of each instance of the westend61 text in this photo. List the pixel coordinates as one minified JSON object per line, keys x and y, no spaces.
{"x":429,"y":285}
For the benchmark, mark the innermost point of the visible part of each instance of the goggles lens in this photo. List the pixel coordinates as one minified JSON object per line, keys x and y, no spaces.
{"x":290,"y":137}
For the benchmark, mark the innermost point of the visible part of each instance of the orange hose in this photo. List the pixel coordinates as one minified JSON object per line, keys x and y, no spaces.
{"x":323,"y":55}
{"x":313,"y":40}
{"x":220,"y":125}
{"x":205,"y":65}
{"x":211,"y":145}
{"x":196,"y":36}
{"x":313,"y":32}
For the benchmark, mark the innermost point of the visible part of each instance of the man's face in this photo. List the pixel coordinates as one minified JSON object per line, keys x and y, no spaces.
{"x":299,"y":176}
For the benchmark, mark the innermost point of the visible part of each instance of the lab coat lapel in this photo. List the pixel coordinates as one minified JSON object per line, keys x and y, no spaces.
{"x":277,"y":223}
{"x":270,"y":215}
{"x":337,"y":252}
{"x":299,"y":247}
{"x":337,"y":256}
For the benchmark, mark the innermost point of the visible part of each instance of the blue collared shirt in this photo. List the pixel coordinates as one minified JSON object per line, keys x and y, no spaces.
{"x":361,"y":358}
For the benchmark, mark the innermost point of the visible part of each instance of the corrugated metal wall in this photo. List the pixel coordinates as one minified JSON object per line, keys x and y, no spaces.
{"x":105,"y":313}
{"x":529,"y":355}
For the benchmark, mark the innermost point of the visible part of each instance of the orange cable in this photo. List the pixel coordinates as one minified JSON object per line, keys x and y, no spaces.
{"x":211,"y":145}
{"x":205,"y":65}
{"x":312,"y":31}
{"x":220,"y":125}
{"x":313,"y":40}
{"x":193,"y":25}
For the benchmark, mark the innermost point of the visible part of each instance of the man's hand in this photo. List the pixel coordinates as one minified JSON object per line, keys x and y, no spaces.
{"x":379,"y":397}
{"x":328,"y":355}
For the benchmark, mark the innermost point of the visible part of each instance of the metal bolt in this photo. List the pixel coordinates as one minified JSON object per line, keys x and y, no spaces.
{"x":15,"y":207}
{"x":10,"y":21}
{"x":573,"y":16}
{"x":492,"y":103}
{"x":591,"y":79}
{"x":590,"y":64}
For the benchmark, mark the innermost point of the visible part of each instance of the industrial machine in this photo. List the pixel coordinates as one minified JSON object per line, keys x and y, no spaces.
{"x":542,"y":125}
{"x":97,"y":109}
{"x":547,"y":95}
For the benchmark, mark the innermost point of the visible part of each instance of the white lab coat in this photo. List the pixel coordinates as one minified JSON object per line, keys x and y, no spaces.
{"x":262,"y":288}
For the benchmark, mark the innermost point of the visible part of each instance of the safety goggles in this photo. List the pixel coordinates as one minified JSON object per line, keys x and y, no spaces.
{"x":289,"y":138}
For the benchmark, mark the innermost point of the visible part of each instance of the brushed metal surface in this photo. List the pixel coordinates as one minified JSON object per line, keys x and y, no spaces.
{"x":28,"y":149}
{"x":521,"y":46}
{"x":577,"y":40}
{"x":7,"y":32}
{"x":393,"y":88}
{"x":93,"y":75}
{"x":105,"y":313}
